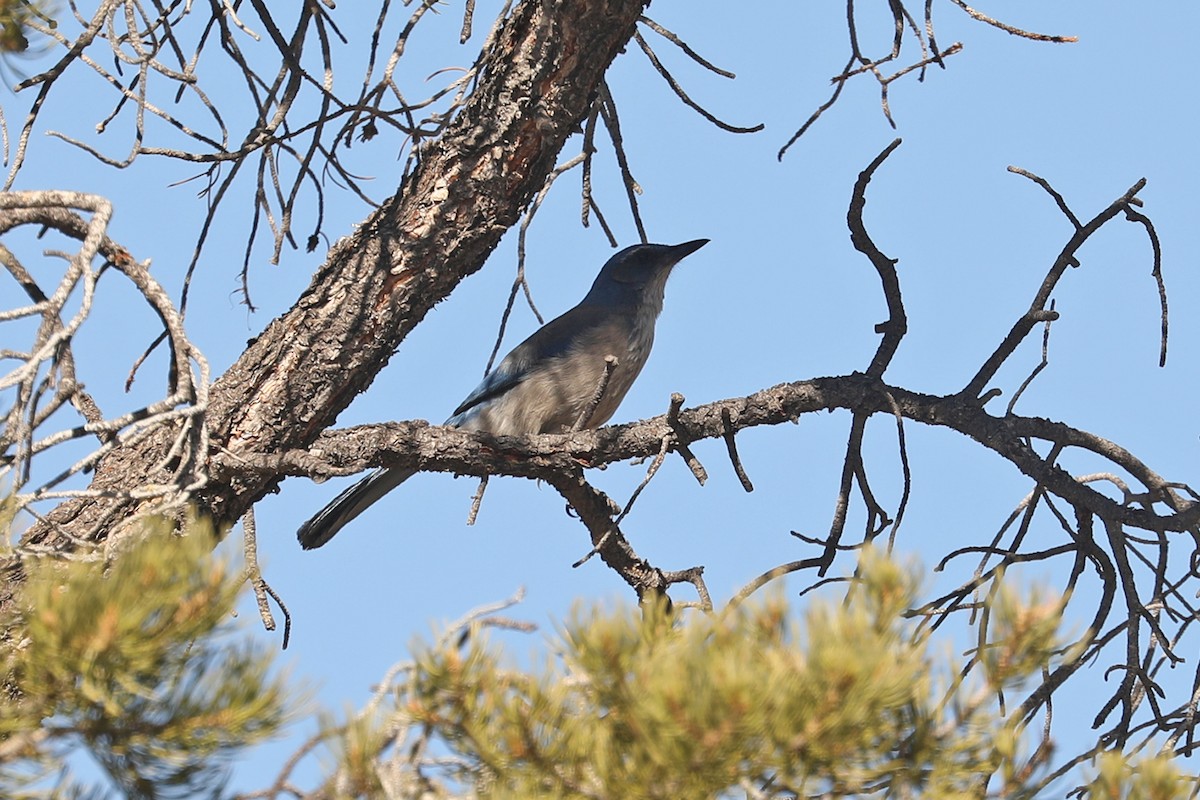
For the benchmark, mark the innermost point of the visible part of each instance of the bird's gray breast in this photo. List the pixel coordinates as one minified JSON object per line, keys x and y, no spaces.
{"x":554,"y":393}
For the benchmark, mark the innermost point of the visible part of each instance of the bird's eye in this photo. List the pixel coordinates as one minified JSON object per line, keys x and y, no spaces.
{"x":633,"y":270}
{"x":629,"y":273}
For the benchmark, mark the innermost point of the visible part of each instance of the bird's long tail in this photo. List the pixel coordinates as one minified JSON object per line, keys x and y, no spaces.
{"x":348,"y":505}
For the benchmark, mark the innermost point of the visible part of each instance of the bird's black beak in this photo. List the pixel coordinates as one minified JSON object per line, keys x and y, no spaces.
{"x":682,"y":251}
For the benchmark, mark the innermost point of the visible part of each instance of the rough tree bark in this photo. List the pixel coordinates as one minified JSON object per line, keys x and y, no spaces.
{"x":378,"y":283}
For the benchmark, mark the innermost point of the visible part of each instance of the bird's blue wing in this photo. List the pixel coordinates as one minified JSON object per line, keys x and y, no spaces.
{"x":551,"y":341}
{"x":494,"y":384}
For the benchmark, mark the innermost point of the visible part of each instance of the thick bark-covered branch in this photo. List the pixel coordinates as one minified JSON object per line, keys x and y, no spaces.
{"x":378,"y":283}
{"x":417,"y":444}
{"x":560,"y":458}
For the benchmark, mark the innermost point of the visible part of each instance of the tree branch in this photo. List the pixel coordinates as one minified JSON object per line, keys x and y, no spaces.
{"x":377,"y":284}
{"x":419,"y":445}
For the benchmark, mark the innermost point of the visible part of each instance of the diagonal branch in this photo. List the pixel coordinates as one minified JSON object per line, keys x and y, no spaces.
{"x":1037,"y":309}
{"x":376,"y":285}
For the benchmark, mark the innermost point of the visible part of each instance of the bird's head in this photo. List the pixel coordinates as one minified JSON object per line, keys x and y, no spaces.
{"x":638,"y":275}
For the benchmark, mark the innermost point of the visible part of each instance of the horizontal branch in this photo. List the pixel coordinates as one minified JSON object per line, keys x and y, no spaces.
{"x":422,"y":446}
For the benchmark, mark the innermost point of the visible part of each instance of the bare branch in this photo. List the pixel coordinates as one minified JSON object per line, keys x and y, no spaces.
{"x":681,"y":440}
{"x":1066,"y":258}
{"x":731,"y":446}
{"x":262,"y":589}
{"x":674,"y":39}
{"x":610,"y":363}
{"x":682,"y":95}
{"x":612,"y":123}
{"x":904,"y":29}
{"x":596,"y":511}
{"x":34,"y":399}
{"x":1039,"y":37}
{"x":1141,"y":219}
{"x":896,"y":326}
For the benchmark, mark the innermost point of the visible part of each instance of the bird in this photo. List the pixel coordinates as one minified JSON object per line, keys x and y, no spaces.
{"x":549,"y":380}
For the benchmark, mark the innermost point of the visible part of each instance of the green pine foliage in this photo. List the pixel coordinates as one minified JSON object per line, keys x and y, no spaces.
{"x":1119,"y":778}
{"x":134,"y":661}
{"x":852,"y":701}
{"x":15,"y":16}
{"x":841,"y":704}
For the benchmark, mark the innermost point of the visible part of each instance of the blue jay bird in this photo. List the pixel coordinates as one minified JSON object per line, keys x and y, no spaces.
{"x":548,"y":380}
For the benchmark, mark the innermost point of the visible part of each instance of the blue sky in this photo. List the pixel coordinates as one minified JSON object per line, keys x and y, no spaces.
{"x":779,"y":295}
